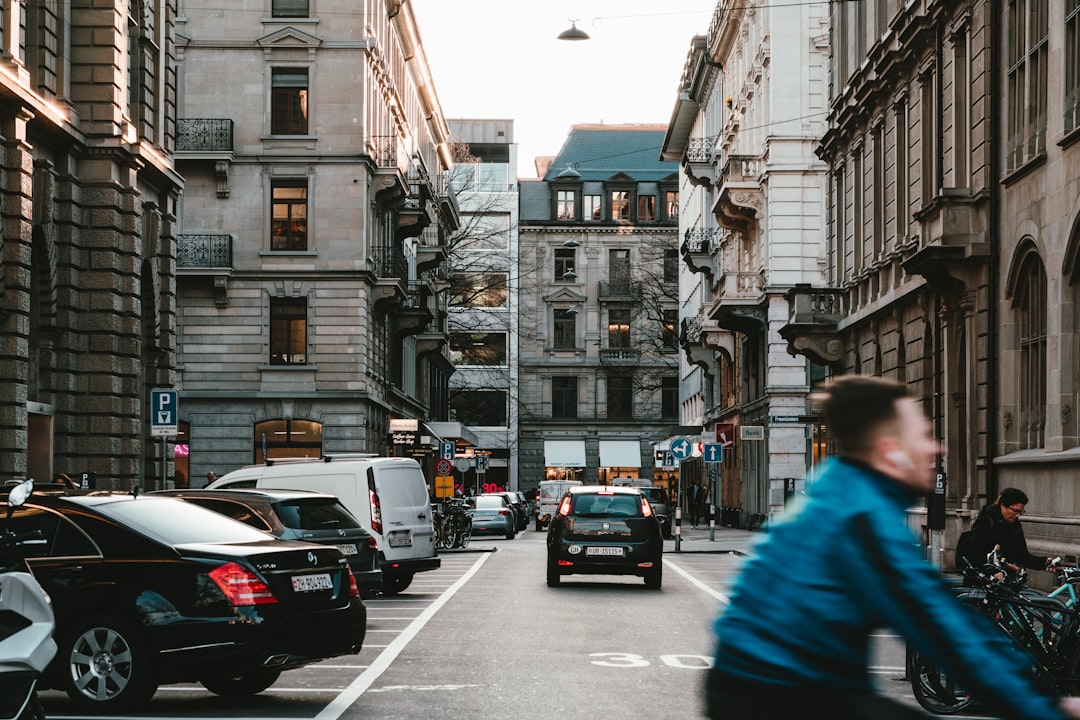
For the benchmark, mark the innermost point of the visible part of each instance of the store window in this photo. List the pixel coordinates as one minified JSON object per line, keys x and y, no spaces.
{"x":287,"y":438}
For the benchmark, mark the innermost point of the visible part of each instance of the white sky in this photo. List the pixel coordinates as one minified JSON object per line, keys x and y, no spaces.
{"x":501,"y":59}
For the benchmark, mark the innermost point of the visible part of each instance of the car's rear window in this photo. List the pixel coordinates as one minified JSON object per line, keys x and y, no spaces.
{"x":656,"y":495}
{"x":175,"y":522}
{"x":483,"y":502}
{"x":552,"y":491}
{"x":315,"y":514}
{"x":602,"y":505}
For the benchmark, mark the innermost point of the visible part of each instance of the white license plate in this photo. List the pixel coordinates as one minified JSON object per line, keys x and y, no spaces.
{"x":349,"y":549}
{"x":310,"y":583}
{"x":400,"y":541}
{"x":616,"y":551}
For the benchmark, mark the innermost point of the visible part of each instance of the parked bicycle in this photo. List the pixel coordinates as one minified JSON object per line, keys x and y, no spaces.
{"x":453,"y":524}
{"x":1045,"y":625}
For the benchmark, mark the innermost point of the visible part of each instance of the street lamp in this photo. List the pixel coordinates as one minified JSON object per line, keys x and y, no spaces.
{"x":573,"y":33}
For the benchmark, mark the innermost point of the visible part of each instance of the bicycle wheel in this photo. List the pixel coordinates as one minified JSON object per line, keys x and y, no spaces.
{"x":935,"y":691}
{"x":465,"y":535}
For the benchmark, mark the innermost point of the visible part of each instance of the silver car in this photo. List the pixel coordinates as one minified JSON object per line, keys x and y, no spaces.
{"x":492,"y":515}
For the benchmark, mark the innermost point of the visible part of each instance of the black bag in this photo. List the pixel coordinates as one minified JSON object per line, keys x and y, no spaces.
{"x":967,"y":552}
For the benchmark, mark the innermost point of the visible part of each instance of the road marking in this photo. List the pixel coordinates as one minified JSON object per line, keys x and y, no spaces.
{"x":700,"y":585}
{"x":342,"y":702}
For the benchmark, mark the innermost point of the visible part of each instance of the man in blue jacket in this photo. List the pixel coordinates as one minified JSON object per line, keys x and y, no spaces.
{"x":795,"y":639}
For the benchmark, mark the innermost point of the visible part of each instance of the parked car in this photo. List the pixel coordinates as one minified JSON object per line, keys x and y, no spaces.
{"x":604,"y":530}
{"x":658,"y":498}
{"x":298,"y":515}
{"x":548,"y":495}
{"x":389,"y":496}
{"x":517,"y":504}
{"x":152,"y":590}
{"x":492,"y":515}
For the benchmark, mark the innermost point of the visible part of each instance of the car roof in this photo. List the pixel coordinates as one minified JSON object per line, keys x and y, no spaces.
{"x":616,"y":489}
{"x":271,"y":494}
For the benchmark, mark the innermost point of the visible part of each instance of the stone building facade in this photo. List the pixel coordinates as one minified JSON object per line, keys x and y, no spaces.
{"x":88,"y":193}
{"x":313,"y":288}
{"x":599,"y":308}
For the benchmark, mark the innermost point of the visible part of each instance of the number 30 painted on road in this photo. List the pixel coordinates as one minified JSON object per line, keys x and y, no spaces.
{"x":629,"y":660}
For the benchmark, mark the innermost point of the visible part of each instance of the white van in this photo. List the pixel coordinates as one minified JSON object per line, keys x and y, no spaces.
{"x":389,"y":497}
{"x":548,"y":495}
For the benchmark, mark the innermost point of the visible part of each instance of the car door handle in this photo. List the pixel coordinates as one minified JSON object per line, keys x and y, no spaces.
{"x":421,"y":516}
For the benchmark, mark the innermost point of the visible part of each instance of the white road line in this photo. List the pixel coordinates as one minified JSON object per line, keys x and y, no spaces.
{"x":694,"y":581}
{"x":341,"y":703}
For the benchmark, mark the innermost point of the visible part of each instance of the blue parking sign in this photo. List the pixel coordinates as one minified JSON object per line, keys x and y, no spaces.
{"x":164,"y":412}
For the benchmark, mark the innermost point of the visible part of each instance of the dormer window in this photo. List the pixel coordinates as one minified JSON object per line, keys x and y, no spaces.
{"x":566,"y":205}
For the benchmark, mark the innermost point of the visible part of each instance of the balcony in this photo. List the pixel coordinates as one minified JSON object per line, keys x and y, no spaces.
{"x":814,"y":314}
{"x":205,"y":254}
{"x":619,"y":356}
{"x":740,"y":303}
{"x":431,"y":252}
{"x":700,"y":338}
{"x":391,"y":182}
{"x":697,"y":250}
{"x":413,"y":315}
{"x":740,"y":202}
{"x":391,"y":270}
{"x":698,"y":161}
{"x":204,"y":135}
{"x":620,"y":291}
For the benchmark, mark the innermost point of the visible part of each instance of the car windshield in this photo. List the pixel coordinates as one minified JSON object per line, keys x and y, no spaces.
{"x":488,"y":503}
{"x":600,"y":505}
{"x":551,"y":491}
{"x":315,"y":514}
{"x":175,"y":522}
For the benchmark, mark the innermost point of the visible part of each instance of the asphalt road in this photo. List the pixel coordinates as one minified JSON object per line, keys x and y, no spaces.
{"x":484,"y":637}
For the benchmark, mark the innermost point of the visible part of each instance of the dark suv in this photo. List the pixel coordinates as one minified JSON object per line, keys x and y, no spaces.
{"x":605,"y":530}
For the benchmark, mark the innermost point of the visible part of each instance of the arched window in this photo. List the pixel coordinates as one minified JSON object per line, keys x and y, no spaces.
{"x":1029,"y":300}
{"x":287,"y":438}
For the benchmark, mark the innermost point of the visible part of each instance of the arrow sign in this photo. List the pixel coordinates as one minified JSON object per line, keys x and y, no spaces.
{"x":681,"y":448}
{"x":164,"y":412}
{"x":713,"y":452}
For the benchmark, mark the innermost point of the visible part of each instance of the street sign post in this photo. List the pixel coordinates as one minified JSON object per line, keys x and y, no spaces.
{"x":681,"y":448}
{"x":164,"y":410}
{"x":713,"y":452}
{"x":443,"y":466}
{"x":446,"y":449}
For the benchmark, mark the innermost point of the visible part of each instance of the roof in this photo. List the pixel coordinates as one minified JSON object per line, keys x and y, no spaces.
{"x":271,"y":494}
{"x":599,"y":152}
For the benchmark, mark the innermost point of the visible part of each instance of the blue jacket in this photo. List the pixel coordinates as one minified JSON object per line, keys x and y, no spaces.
{"x":841,"y":565}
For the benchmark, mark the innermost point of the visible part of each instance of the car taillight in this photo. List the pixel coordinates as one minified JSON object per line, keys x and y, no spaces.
{"x":241,"y":586}
{"x":504,"y":511}
{"x":354,"y":589}
{"x":376,"y":512}
{"x":646,"y":508}
{"x":371,"y":543}
{"x":564,"y":506}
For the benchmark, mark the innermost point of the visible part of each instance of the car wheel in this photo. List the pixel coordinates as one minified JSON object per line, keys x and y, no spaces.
{"x":511,"y":534}
{"x":241,"y":685}
{"x":104,"y":666}
{"x":553,"y":576}
{"x":654,"y":578}
{"x":393,"y":584}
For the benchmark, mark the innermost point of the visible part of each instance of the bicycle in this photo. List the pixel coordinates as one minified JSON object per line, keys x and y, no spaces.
{"x":453,"y":524}
{"x":1044,"y":625}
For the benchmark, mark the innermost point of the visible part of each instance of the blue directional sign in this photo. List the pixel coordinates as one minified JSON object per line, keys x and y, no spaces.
{"x":713,"y":452}
{"x":164,"y":413}
{"x":681,"y":448}
{"x":446,"y":449}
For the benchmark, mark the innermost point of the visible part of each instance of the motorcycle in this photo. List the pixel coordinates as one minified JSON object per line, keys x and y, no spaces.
{"x":26,"y":620}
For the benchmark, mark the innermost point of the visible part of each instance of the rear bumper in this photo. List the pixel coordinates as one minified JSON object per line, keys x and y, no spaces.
{"x":409,"y":566}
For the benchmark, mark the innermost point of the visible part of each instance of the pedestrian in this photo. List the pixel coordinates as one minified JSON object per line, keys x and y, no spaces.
{"x":65,"y":480}
{"x":841,"y":563}
{"x":693,"y":502}
{"x":998,"y":526}
{"x":211,"y":477}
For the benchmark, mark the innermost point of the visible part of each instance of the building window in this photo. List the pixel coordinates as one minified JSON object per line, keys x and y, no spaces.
{"x":619,"y":328}
{"x":669,"y":397}
{"x":1072,"y":65}
{"x":620,"y":205}
{"x":565,"y":262}
{"x":593,"y":206}
{"x":1030,"y":302}
{"x":481,"y":231}
{"x":478,"y":290}
{"x":619,"y":268}
{"x":479,"y":407}
{"x":646,"y":208}
{"x":928,"y":118}
{"x":620,"y":397}
{"x":671,"y":205}
{"x":961,"y":111}
{"x":289,"y":101}
{"x":671,"y":265}
{"x":287,"y":438}
{"x":670,"y":337}
{"x":565,"y":335}
{"x":1027,"y":56}
{"x":289,"y":210}
{"x":478,"y":348}
{"x":565,"y":205}
{"x":564,"y":397}
{"x":903,"y":172}
{"x":289,"y":8}
{"x":288,"y":331}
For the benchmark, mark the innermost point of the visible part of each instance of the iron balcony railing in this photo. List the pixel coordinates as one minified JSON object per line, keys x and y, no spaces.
{"x":699,"y":150}
{"x":700,"y":240}
{"x":204,"y":135}
{"x":197,"y":251}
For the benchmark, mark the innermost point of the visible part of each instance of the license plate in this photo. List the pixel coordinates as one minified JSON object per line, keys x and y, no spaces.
{"x":311,"y":583}
{"x":616,"y":551}
{"x":349,"y":549}
{"x":400,"y":541}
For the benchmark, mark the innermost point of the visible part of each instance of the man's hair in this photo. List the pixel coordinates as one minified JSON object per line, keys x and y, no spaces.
{"x":856,"y":409}
{"x":1012,"y":496}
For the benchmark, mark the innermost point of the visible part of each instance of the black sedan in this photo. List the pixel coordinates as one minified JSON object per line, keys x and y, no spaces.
{"x":298,"y":515}
{"x":604,"y":530}
{"x":153,"y":590}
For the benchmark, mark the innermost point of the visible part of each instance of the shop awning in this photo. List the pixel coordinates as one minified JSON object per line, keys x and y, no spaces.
{"x":620,"y":453}
{"x":564,"y":453}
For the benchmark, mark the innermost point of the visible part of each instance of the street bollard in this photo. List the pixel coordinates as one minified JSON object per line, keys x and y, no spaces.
{"x":712,"y":522}
{"x":678,"y":528}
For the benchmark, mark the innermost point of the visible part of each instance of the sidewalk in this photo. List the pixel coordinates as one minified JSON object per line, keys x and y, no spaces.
{"x":725,"y":540}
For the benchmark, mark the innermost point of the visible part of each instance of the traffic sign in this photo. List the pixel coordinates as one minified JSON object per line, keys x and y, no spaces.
{"x":681,"y":448}
{"x":713,"y":452}
{"x":164,"y":412}
{"x":481,"y":463}
{"x":443,"y":466}
{"x":446,"y":450}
